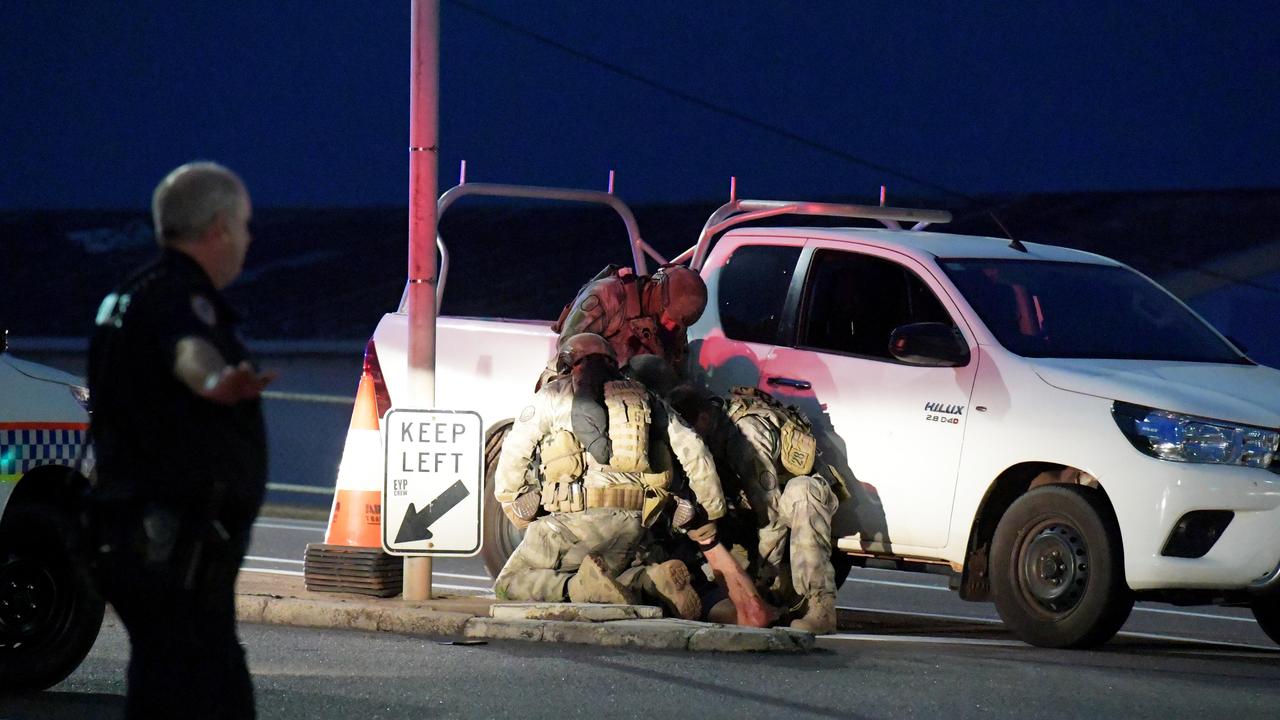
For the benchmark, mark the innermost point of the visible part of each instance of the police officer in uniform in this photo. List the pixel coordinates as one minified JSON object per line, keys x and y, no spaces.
{"x":181,"y":452}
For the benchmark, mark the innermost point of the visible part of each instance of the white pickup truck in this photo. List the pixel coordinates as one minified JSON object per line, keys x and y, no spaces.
{"x":1050,"y":427}
{"x":49,"y":615}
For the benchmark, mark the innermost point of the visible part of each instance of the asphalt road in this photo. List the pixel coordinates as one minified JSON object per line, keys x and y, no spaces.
{"x":304,"y":674}
{"x":908,"y":648}
{"x":878,"y":602}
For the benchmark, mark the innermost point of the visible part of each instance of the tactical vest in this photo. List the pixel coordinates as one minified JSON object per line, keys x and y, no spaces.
{"x":564,"y":461}
{"x":637,"y":333}
{"x":798,"y":447}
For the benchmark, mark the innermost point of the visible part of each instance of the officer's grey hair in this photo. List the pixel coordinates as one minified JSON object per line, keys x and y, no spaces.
{"x":188,"y":200}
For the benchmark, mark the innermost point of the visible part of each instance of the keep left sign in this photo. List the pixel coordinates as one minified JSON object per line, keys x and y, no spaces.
{"x":433,"y":487}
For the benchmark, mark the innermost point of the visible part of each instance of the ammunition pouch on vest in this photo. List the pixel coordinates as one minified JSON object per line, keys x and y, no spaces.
{"x":562,"y":468}
{"x":561,"y":455}
{"x":623,"y":497}
{"x":563,"y":497}
{"x":798,"y":446}
{"x":629,"y":415}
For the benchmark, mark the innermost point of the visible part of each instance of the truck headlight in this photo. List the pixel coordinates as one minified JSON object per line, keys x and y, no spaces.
{"x":1187,"y":438}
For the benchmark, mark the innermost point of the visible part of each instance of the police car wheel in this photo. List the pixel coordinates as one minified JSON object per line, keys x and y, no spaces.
{"x":1058,"y":569}
{"x":500,"y":536}
{"x":49,"y":615}
{"x":1267,"y":612}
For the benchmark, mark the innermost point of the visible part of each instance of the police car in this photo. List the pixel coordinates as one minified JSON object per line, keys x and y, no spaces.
{"x":49,"y":614}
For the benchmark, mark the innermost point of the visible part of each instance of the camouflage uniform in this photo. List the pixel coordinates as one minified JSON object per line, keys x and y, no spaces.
{"x":613,"y":307}
{"x":793,"y":512}
{"x":554,"y":545}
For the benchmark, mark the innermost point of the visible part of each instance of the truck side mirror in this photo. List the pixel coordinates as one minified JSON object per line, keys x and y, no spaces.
{"x":929,"y":344}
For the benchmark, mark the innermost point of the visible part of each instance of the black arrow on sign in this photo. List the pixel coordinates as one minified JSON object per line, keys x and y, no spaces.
{"x":417,"y":523}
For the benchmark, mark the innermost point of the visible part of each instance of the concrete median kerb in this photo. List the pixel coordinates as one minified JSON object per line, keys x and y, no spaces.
{"x":282,"y":600}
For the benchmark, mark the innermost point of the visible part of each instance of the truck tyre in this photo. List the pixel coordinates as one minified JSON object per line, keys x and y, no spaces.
{"x":500,"y":536}
{"x":49,"y":614}
{"x":1267,"y":612}
{"x":1058,"y":569}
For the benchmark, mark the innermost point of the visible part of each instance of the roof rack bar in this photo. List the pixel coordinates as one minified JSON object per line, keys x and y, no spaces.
{"x":638,"y":246}
{"x":740,"y":211}
{"x":648,"y":250}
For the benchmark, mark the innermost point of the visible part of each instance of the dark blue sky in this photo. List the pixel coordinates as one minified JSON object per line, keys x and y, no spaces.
{"x":308,"y":100}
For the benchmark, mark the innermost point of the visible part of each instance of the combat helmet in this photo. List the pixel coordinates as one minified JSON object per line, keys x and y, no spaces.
{"x":582,"y":345}
{"x":681,"y":293}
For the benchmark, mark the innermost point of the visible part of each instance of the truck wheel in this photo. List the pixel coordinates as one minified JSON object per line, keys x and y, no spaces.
{"x":500,"y":536}
{"x":49,"y":615}
{"x":1058,"y":569}
{"x":1267,"y":612}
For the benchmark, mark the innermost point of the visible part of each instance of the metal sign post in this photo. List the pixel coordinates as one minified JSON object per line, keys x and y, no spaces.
{"x":424,"y":106}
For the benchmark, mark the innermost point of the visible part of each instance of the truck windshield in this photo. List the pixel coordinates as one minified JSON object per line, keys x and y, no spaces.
{"x":1083,"y":310}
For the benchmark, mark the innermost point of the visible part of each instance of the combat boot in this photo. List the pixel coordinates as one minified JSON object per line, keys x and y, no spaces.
{"x":594,"y":584}
{"x":820,"y":615}
{"x":669,"y":582}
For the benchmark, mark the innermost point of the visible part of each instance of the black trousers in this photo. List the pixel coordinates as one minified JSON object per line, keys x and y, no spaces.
{"x":185,"y":660}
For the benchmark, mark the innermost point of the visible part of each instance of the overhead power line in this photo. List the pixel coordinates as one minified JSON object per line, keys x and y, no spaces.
{"x":706,"y":104}
{"x":782,"y":132}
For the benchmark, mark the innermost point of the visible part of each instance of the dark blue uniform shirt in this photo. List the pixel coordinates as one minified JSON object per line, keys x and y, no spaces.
{"x":155,"y":440}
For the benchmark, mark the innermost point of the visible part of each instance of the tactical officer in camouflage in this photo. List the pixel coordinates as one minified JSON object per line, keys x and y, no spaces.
{"x":769,"y":451}
{"x":603,"y":477}
{"x":638,"y":314}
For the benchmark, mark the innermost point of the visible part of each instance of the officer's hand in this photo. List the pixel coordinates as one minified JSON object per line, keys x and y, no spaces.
{"x":236,"y":384}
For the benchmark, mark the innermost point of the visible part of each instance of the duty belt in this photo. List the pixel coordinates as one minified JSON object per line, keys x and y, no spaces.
{"x":623,"y":497}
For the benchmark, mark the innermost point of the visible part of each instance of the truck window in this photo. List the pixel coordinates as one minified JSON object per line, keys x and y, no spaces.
{"x":1056,"y":309}
{"x":753,"y":287}
{"x":853,"y":302}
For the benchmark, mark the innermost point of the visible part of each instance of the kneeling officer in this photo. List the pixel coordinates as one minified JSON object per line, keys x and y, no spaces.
{"x":602,"y":486}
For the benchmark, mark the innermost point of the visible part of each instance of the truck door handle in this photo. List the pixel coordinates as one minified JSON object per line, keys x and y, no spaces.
{"x":797,"y":384}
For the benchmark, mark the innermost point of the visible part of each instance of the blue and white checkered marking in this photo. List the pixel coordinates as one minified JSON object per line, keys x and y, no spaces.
{"x":22,"y":450}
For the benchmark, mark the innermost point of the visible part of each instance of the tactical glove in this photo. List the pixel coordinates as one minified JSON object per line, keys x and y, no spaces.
{"x":684,"y":514}
{"x":704,"y":535}
{"x":523,"y":509}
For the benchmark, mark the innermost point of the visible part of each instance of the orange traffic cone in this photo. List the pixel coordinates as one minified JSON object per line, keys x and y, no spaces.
{"x":356,"y":516}
{"x":351,"y":558}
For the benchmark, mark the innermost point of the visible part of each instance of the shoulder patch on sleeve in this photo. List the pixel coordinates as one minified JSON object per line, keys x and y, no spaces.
{"x":203,"y":310}
{"x":527,"y":414}
{"x":590,"y":302}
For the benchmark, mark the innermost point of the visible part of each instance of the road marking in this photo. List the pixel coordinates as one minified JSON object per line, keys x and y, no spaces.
{"x":891,"y":583}
{"x":1161,"y":611}
{"x":1268,"y":654}
{"x":936,"y":616}
{"x":294,"y":573}
{"x":275,"y":524}
{"x":1185,"y":613}
{"x":923,"y":640}
{"x":269,"y":571}
{"x":485,"y":578}
{"x":260,"y":558}
{"x":257,"y":558}
{"x":1144,"y":636}
{"x":1198,"y":641}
